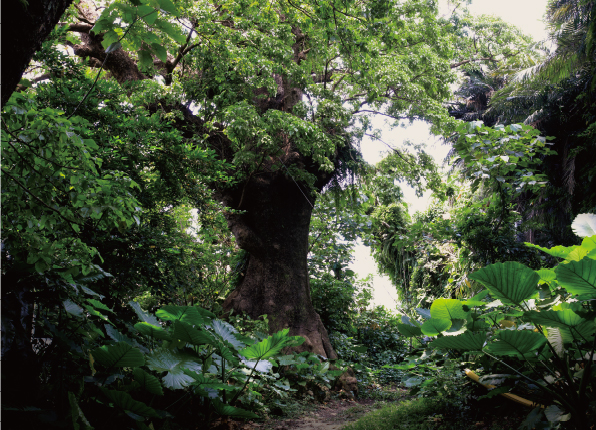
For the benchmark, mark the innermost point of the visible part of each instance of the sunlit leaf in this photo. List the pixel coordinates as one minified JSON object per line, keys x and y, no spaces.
{"x":511,"y":282}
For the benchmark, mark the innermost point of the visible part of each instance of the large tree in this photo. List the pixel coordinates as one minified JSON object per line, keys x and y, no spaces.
{"x":283,"y":92}
{"x":26,"y":25}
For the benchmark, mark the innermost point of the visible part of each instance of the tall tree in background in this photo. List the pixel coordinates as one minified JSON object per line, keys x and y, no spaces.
{"x":283,"y":93}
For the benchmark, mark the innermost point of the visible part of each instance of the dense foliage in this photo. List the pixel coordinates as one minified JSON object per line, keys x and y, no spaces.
{"x":137,"y":203}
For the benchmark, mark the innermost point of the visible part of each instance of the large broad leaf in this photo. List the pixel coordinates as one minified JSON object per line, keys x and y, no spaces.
{"x":574,"y":326}
{"x":225,"y":352}
{"x":458,"y":326}
{"x":187,"y":314}
{"x":448,"y":309}
{"x":556,"y":251}
{"x":206,"y":382}
{"x":125,"y":401}
{"x":578,"y":277}
{"x":409,"y":330}
{"x":584,"y":225}
{"x":187,"y":333}
{"x":465,"y":342}
{"x":515,"y":342}
{"x":116,"y":335}
{"x":153,"y":331}
{"x":268,"y":347}
{"x":119,"y":355}
{"x":424,"y":313}
{"x":434,"y":326}
{"x":164,"y":360}
{"x":511,"y":282}
{"x":227,"y":332}
{"x":147,"y":381}
{"x":144,"y":316}
{"x":231,"y":411}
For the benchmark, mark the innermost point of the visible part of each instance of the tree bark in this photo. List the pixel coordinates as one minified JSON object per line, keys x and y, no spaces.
{"x":25,"y":28}
{"x":274,"y":230}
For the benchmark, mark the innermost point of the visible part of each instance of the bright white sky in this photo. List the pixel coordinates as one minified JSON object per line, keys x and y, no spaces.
{"x":525,"y":14}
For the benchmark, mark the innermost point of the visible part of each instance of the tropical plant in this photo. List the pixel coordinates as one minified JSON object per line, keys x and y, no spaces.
{"x":538,"y":325}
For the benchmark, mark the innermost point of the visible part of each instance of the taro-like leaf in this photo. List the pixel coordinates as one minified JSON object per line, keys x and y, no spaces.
{"x":511,"y":282}
{"x":515,"y":342}
{"x":227,"y":333}
{"x":478,"y":325}
{"x":187,"y":314}
{"x":225,"y":352}
{"x":546,"y":275}
{"x":409,"y":330}
{"x":119,"y":355}
{"x":458,"y":326}
{"x":286,"y":360}
{"x":424,"y":313}
{"x":584,"y":225}
{"x":154,"y":331}
{"x":434,"y":326}
{"x":144,"y":316}
{"x":466,"y":342}
{"x":164,"y":360}
{"x":72,"y":308}
{"x":125,"y":401}
{"x":206,"y":382}
{"x":189,"y":334}
{"x":267,"y":347}
{"x":231,"y":411}
{"x":115,"y":335}
{"x":447,"y":309}
{"x":147,"y":381}
{"x":556,"y":251}
{"x":578,"y":277}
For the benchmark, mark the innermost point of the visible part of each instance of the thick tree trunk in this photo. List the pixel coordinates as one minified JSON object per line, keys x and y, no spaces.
{"x":25,"y":28}
{"x":274,"y":230}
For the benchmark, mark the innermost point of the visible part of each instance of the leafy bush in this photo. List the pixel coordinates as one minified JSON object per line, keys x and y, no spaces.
{"x":106,"y":371}
{"x":535,"y":329}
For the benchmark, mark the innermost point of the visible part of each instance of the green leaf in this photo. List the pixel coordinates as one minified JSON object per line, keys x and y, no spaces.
{"x":434,"y":326}
{"x":148,"y":14}
{"x":113,"y":47}
{"x":575,"y":326}
{"x":144,"y":316}
{"x":515,"y":342}
{"x":145,"y":59}
{"x":447,"y":309}
{"x":268,"y":347}
{"x":77,"y":414}
{"x":408,"y":330}
{"x":119,"y":355}
{"x":231,"y":411}
{"x":168,"y":6}
{"x":187,"y":314}
{"x":116,"y":335}
{"x":98,"y":305}
{"x":578,"y":277}
{"x":584,"y":225}
{"x":189,"y":334}
{"x":147,"y":381}
{"x":227,"y":333}
{"x":511,"y":282}
{"x":466,"y":342}
{"x":160,"y":51}
{"x":72,"y":308}
{"x":555,"y":251}
{"x":125,"y":401}
{"x":174,"y":363}
{"x":152,"y":331}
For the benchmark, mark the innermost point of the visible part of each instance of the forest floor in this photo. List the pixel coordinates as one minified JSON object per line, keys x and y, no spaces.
{"x":330,"y":415}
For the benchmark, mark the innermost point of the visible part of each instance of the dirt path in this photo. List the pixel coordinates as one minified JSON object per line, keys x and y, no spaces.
{"x":331,"y":416}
